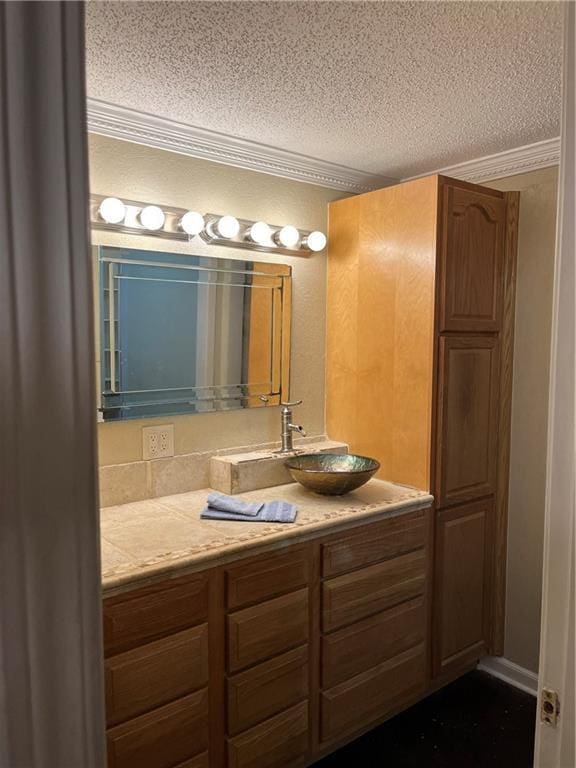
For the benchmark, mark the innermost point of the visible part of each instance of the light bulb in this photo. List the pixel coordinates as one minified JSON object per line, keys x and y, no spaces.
{"x":112,"y":210}
{"x":315,"y":241}
{"x":288,"y":236}
{"x":260,"y":233}
{"x":192,"y":223}
{"x":151,"y":217}
{"x":227,"y":227}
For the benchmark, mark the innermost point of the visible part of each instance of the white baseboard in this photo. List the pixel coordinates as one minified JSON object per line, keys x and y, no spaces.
{"x":511,"y":673}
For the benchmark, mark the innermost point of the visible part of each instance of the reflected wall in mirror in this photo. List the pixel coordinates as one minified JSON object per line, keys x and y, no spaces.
{"x":188,"y":334}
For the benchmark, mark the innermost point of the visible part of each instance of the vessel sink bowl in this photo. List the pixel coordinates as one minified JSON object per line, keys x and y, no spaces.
{"x":331,"y":474}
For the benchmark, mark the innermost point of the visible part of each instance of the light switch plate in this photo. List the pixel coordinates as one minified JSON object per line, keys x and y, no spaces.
{"x":158,"y":442}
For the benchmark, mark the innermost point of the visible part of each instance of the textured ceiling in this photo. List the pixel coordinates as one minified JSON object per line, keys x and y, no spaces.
{"x":396,"y":88}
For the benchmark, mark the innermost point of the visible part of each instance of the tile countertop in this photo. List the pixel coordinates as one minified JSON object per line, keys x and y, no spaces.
{"x":165,"y":537}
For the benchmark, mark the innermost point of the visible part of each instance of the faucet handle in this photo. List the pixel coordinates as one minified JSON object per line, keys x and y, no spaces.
{"x":291,"y":405}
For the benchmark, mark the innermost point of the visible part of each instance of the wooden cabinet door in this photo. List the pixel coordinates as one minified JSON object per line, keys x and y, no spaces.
{"x":155,"y":674}
{"x":280,"y":741}
{"x":463,"y":585}
{"x":163,"y":738}
{"x":471,"y":259}
{"x":467,"y":429}
{"x":353,"y":596}
{"x":366,"y":698}
{"x":268,"y":689}
{"x":267,"y":629}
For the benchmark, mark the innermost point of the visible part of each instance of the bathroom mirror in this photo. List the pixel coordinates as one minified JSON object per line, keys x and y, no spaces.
{"x":179,"y":333}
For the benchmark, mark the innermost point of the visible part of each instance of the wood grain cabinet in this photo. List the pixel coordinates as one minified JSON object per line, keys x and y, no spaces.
{"x":419,"y":375}
{"x":374,"y":622}
{"x":156,"y":645}
{"x":463,"y":584}
{"x":274,"y":660}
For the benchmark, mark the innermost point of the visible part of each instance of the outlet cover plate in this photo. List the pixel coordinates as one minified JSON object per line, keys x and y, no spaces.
{"x":158,"y":442}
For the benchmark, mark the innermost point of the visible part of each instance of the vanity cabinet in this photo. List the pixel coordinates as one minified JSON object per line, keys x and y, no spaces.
{"x":156,"y":645}
{"x":267,"y":682}
{"x":374,"y":620}
{"x":420,"y":311}
{"x":273,"y":660}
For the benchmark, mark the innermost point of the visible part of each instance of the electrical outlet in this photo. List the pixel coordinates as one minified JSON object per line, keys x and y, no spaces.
{"x":158,"y":442}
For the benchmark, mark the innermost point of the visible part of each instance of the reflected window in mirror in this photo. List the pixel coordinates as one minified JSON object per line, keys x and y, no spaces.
{"x":189,"y":334}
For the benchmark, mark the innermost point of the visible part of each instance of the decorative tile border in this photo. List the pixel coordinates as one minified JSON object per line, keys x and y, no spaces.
{"x":272,"y":534}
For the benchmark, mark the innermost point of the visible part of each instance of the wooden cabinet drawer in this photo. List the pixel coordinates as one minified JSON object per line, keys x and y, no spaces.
{"x":163,"y":738}
{"x":359,"y":647}
{"x":156,"y":673}
{"x":268,"y":629}
{"x":373,"y":543}
{"x":277,"y":742}
{"x":267,"y":689}
{"x":349,"y":598}
{"x":147,"y":614}
{"x":369,"y":696}
{"x":200,"y":761}
{"x":266,"y":577}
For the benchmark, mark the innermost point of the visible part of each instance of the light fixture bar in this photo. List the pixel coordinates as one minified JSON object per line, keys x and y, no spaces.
{"x":141,"y":218}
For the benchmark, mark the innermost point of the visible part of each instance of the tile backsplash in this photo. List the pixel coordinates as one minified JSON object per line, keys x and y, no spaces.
{"x":138,"y":480}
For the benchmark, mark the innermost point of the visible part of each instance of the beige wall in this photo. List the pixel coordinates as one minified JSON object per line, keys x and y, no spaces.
{"x":536,"y":245}
{"x":124,"y":169}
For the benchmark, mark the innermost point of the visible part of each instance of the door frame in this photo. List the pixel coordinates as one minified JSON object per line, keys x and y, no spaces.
{"x":554,"y":746}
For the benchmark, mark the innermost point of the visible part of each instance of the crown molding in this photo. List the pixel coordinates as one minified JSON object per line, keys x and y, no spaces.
{"x":143,"y":128}
{"x":531,"y":157}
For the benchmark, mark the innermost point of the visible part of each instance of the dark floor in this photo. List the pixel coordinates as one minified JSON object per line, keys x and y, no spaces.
{"x":475,"y":722}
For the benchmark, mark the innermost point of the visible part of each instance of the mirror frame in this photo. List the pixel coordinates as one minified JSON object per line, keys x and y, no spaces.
{"x":282,"y":331}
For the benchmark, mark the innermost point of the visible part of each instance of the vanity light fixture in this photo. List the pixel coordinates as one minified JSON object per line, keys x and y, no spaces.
{"x":315,"y":241}
{"x":152,"y":217}
{"x":171,"y":223}
{"x":192,"y":223}
{"x":112,"y":210}
{"x":287,"y":237}
{"x":260,"y":233}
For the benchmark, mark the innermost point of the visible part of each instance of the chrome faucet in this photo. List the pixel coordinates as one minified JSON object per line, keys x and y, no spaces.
{"x":288,"y":428}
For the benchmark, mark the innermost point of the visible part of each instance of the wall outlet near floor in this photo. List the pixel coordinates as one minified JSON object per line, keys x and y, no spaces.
{"x":158,"y":442}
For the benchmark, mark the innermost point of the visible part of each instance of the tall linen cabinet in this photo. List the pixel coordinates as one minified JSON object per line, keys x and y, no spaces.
{"x":420,"y":314}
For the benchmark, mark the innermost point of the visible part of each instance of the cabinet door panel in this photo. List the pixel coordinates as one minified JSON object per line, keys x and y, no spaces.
{"x":201,"y":761}
{"x":355,"y":649}
{"x":367,"y":698}
{"x":267,"y":689}
{"x":280,"y":741}
{"x":257,"y":580}
{"x":467,"y":432}
{"x":471,"y":260}
{"x":374,"y":543}
{"x":265,"y":630}
{"x":162,"y":738}
{"x":147,"y":677}
{"x":463,"y":585}
{"x":146,"y":614}
{"x":354,"y":596}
